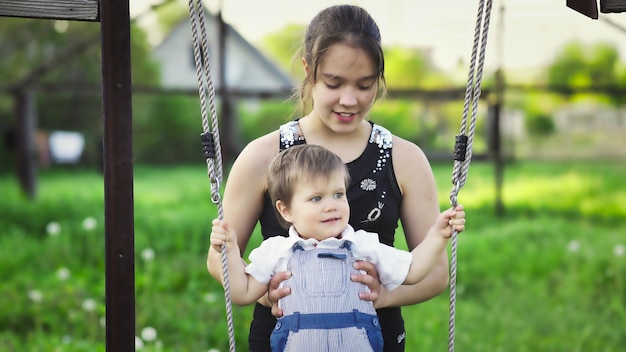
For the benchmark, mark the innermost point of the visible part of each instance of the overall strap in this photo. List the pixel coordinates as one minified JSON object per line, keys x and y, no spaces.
{"x":297,"y":321}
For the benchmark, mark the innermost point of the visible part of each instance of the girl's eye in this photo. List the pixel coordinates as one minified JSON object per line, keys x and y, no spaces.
{"x":339,"y":195}
{"x":365,"y":87}
{"x":332,"y":86}
{"x":316,"y":199}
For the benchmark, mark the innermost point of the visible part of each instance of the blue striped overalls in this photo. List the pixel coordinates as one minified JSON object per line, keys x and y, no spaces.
{"x":323,"y":313}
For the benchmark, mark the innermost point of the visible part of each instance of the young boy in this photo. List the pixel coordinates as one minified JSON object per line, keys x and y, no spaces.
{"x":307,"y":184}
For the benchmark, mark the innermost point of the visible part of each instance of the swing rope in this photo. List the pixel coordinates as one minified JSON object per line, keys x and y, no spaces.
{"x":465,"y":139}
{"x":210,"y":136}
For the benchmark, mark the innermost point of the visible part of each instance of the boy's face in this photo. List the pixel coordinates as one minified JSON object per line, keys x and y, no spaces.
{"x":319,"y":208}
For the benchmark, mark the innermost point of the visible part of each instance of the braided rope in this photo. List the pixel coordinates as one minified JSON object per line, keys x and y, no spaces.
{"x":461,"y":167}
{"x":214,"y":164}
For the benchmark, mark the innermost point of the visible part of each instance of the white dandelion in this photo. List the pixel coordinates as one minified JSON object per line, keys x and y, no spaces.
{"x":89,"y":223}
{"x":53,"y":228}
{"x":149,"y":333}
{"x":138,"y":344}
{"x":35,"y":296}
{"x":619,"y":250}
{"x":210,"y":297}
{"x":147,"y":254}
{"x":63,"y":273}
{"x":89,"y":305}
{"x":573,"y":246}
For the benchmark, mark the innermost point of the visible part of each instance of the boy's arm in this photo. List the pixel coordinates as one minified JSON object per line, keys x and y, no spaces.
{"x":428,"y":252}
{"x":425,"y":256}
{"x":244,"y":289}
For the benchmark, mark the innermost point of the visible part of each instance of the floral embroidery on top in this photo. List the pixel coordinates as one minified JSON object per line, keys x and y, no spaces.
{"x":368,"y":184}
{"x":383,"y":138}
{"x":290,"y":134}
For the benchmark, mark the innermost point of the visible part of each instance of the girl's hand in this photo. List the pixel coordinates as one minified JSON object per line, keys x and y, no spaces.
{"x":369,"y":279}
{"x":274,"y":293}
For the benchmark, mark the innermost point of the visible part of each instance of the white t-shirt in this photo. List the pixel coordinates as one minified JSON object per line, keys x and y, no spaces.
{"x":272,"y":255}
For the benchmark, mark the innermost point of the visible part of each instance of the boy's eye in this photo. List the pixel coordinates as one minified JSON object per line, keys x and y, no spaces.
{"x":339,"y":195}
{"x":316,"y":199}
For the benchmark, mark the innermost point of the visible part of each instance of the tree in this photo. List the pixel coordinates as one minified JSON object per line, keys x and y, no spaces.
{"x":580,"y":66}
{"x":404,"y":67}
{"x":407,"y":67}
{"x":61,"y":62}
{"x":169,"y":14}
{"x":282,"y":47}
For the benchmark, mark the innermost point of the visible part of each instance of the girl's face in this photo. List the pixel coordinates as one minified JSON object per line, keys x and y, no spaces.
{"x":345,"y":87}
{"x":319,"y":208}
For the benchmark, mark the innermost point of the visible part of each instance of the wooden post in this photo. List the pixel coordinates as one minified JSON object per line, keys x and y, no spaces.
{"x":26,"y":126}
{"x":496,"y":142}
{"x":228,"y":120}
{"x":118,"y":176}
{"x":496,"y":102}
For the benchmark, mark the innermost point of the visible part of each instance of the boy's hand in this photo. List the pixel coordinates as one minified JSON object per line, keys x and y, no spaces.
{"x":451,"y":220}
{"x":220,"y":234}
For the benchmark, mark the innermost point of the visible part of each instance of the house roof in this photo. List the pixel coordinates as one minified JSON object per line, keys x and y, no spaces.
{"x":247,"y":69}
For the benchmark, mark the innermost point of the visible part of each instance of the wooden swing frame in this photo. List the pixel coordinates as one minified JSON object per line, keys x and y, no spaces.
{"x":114,"y":18}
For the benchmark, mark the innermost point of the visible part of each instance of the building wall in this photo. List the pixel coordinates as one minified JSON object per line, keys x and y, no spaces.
{"x":246,"y":67}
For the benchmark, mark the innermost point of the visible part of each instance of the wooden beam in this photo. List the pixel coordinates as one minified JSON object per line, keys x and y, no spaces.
{"x":118,"y":177}
{"x":80,"y":10}
{"x":609,"y":6}
{"x":588,"y":8}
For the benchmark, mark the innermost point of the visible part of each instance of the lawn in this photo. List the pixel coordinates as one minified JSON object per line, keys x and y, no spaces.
{"x":547,"y":276}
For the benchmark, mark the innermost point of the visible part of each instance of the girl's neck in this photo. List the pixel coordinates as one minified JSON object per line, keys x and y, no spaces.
{"x":348,"y":146}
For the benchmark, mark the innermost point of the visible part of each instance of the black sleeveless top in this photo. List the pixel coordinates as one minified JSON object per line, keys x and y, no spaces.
{"x":373,"y":192}
{"x":375,"y":200}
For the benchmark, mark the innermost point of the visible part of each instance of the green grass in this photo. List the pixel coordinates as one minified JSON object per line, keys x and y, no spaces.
{"x":547,"y":276}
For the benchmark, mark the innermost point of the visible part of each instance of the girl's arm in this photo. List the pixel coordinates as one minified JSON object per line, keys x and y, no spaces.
{"x":420,"y":209}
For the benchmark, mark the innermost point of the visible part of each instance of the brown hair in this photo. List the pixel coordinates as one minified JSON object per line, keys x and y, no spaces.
{"x":347,"y":24}
{"x":298,"y":163}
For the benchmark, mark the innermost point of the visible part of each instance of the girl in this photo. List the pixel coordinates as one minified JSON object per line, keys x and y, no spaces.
{"x":391,"y":179}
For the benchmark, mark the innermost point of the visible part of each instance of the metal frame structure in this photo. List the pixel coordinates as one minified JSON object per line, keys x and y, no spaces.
{"x":114,"y":18}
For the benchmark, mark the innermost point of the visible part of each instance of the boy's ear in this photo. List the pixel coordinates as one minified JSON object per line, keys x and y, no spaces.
{"x":283,"y":210}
